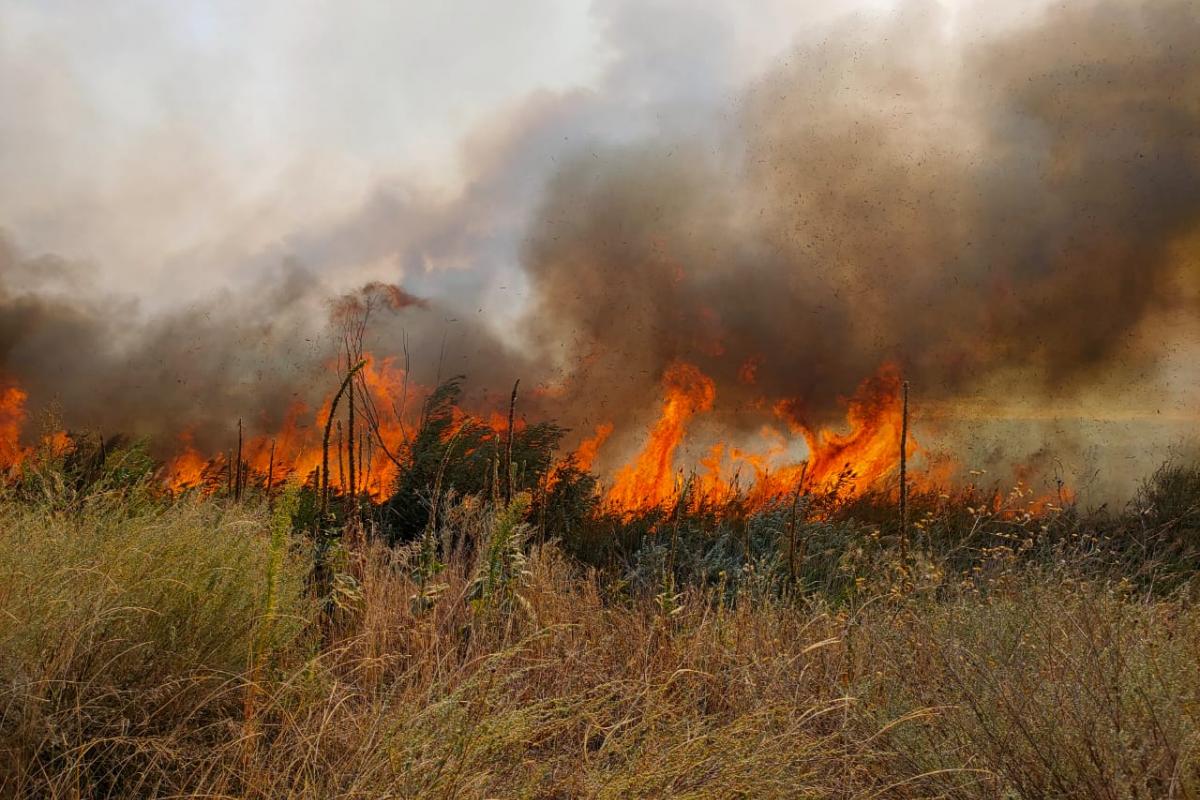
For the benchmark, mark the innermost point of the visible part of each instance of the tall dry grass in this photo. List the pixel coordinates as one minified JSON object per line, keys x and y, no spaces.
{"x":172,"y":650}
{"x":1049,"y":687}
{"x":123,"y":636}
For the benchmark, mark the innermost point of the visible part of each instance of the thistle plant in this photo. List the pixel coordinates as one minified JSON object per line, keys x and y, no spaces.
{"x":502,"y":557}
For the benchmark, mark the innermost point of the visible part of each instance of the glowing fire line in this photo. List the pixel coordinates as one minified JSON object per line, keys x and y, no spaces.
{"x":854,"y":459}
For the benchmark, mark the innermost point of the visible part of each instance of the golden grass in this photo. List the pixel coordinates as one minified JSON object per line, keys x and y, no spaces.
{"x":172,"y":651}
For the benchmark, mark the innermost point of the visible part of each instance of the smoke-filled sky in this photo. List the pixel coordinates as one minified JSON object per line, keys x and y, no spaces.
{"x":1004,"y":203}
{"x":169,"y":145}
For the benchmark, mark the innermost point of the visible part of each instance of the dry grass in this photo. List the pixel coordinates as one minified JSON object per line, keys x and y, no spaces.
{"x":1051,"y":689}
{"x":123,"y":635}
{"x":172,"y":651}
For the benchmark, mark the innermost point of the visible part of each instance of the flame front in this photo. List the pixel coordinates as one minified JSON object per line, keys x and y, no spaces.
{"x":851,"y":461}
{"x":649,"y":480}
{"x":791,"y":453}
{"x":297,"y":448}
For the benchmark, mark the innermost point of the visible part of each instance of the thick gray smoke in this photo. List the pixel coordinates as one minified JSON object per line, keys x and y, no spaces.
{"x":956,"y":208}
{"x":1020,"y":204}
{"x":99,"y":363}
{"x":105,"y":366}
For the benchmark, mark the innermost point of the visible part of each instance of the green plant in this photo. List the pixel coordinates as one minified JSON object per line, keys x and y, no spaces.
{"x":501,"y":559}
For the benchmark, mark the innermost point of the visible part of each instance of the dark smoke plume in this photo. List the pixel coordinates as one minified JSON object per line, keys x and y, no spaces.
{"x":104,"y":365}
{"x":956,"y":208}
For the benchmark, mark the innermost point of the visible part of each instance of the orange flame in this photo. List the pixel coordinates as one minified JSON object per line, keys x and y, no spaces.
{"x":12,"y":419}
{"x":871,"y":449}
{"x":585,"y":454}
{"x":650,"y":480}
{"x":296,"y":449}
{"x":852,"y":461}
{"x":187,"y":468}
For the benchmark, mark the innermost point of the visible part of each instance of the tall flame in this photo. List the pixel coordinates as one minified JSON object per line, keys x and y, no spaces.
{"x":585,"y":454}
{"x":650,"y":479}
{"x":871,"y":448}
{"x":853,"y":460}
{"x":12,"y":419}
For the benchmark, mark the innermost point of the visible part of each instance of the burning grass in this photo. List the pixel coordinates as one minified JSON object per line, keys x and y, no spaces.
{"x":162,"y":646}
{"x":391,"y":425}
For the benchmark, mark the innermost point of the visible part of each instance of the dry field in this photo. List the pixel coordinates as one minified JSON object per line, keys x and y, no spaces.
{"x":184,"y":646}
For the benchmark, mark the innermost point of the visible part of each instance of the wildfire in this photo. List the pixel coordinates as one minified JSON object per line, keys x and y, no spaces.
{"x":12,"y":419}
{"x":650,"y":479}
{"x":791,"y":453}
{"x":297,"y":448}
{"x":858,"y":458}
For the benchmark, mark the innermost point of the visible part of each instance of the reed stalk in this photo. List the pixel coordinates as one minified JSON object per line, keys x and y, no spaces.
{"x":904,"y":480}
{"x":350,"y":453}
{"x":341,"y":462}
{"x":792,"y":524}
{"x":328,"y":429}
{"x":271,"y":471}
{"x":508,"y":445}
{"x":237,"y":485}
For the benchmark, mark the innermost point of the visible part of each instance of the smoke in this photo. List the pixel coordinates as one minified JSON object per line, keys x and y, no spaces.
{"x":963,"y":209}
{"x":103,"y":364}
{"x":1013,"y":212}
